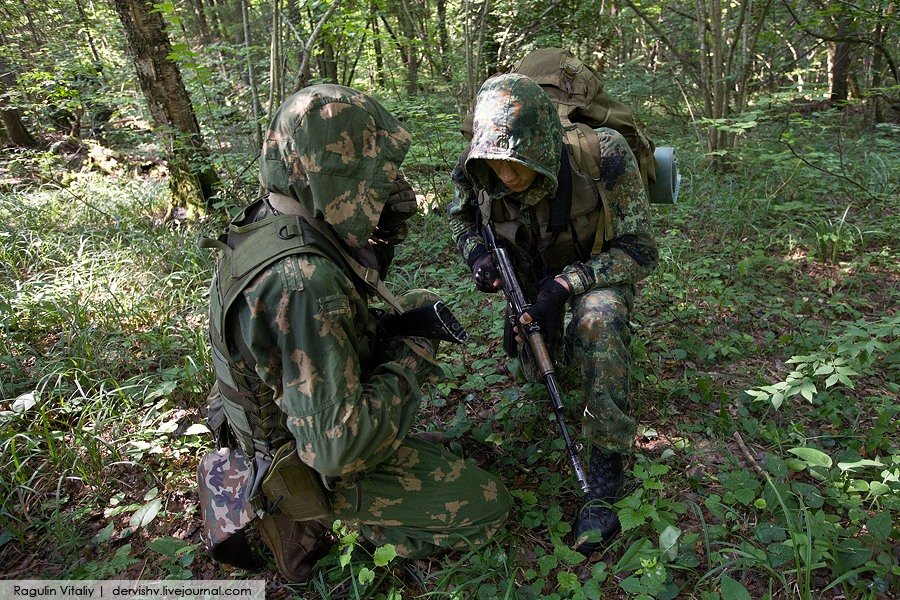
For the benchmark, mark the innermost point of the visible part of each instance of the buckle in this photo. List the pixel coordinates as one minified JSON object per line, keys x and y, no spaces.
{"x":371,"y":276}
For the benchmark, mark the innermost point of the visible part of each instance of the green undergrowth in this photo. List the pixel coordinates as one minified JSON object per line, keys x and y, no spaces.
{"x":765,"y":384}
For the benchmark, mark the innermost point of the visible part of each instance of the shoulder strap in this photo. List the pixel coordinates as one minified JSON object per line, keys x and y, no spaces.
{"x":604,"y":225}
{"x":585,"y":147}
{"x":287,"y":205}
{"x":252,"y":248}
{"x":561,"y":203}
{"x":587,"y":154}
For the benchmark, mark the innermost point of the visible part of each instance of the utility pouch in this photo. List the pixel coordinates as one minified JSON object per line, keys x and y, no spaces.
{"x":293,"y":488}
{"x":225,"y":487}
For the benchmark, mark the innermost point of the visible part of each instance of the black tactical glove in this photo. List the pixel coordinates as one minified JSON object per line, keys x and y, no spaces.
{"x":483,"y":269}
{"x":400,"y":206}
{"x":391,"y":228}
{"x":548,"y":308}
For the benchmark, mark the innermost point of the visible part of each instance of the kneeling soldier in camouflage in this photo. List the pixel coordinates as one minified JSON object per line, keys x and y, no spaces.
{"x":318,"y":399}
{"x":580,"y":241}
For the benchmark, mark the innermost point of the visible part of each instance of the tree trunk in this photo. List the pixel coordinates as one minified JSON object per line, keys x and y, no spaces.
{"x":407,"y":47}
{"x":443,"y":39}
{"x":474,"y":23}
{"x":840,"y":61}
{"x":37,"y":39}
{"x":228,"y":15}
{"x":206,"y":36}
{"x":303,"y":73}
{"x":379,"y":78}
{"x":721,"y":64}
{"x":192,"y":178}
{"x":216,"y":21}
{"x":87,"y":29}
{"x":251,"y":76}
{"x":15,"y":128}
{"x":877,"y":112}
{"x":11,"y":117}
{"x":275,"y":86}
{"x":490,"y":48}
{"x":412,"y":71}
{"x":328,"y":65}
{"x":470,"y":56}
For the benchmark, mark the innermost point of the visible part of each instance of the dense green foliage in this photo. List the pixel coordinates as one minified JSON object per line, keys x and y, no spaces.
{"x":766,"y":346}
{"x":766,"y":368}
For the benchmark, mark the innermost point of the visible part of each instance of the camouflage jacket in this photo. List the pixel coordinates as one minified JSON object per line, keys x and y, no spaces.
{"x":515,"y":120}
{"x":305,"y":318}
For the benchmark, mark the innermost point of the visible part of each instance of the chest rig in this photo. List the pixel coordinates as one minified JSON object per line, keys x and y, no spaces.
{"x":572,"y":225}
{"x":247,"y":248}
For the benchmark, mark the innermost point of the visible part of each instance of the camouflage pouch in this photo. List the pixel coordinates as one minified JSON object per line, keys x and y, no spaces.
{"x":294,"y":488}
{"x":225,"y":486}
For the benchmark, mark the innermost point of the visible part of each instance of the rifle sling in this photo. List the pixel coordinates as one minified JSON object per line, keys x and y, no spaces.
{"x":287,"y":205}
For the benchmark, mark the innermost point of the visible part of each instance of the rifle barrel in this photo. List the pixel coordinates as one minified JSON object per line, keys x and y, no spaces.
{"x":515,"y":297}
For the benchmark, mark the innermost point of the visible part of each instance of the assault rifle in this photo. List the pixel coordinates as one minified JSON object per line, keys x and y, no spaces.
{"x":432,"y":321}
{"x":515,"y":297}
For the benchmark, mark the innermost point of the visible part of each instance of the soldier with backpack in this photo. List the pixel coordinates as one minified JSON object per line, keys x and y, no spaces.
{"x":570,"y":204}
{"x":315,"y":399}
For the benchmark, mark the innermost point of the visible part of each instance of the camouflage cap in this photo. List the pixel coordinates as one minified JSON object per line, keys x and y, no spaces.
{"x":337,"y":151}
{"x":515,"y":120}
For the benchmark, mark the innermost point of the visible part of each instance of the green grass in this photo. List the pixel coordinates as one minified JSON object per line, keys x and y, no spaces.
{"x":766,"y":369}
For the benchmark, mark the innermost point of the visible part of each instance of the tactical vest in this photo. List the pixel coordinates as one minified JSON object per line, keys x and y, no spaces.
{"x":588,"y":221}
{"x":248,"y":248}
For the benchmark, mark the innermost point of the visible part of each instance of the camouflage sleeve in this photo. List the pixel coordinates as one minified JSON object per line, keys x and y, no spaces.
{"x":462,"y":210}
{"x":310,"y":332}
{"x":631,"y":254}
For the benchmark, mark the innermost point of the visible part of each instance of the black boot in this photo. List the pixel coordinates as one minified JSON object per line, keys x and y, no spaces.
{"x":597,"y":514}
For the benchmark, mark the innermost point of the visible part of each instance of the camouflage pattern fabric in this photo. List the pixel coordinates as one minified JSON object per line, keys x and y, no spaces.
{"x":632,"y":254}
{"x":515,"y":119}
{"x":349,"y":402}
{"x":597,"y":347}
{"x":225,"y":481}
{"x":312,"y":335}
{"x":422,"y":499}
{"x":337,"y":151}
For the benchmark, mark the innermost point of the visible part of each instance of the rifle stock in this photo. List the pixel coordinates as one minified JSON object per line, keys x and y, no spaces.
{"x":536,"y":345}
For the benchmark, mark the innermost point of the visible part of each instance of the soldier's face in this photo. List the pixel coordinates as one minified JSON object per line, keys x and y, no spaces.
{"x":515,"y":176}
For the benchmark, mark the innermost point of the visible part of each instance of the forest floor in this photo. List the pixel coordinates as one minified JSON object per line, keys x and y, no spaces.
{"x":765,"y":385}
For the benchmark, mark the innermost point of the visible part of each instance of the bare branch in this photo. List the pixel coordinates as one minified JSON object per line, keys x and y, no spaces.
{"x":826,"y":171}
{"x":853,"y":39}
{"x":684,"y":60}
{"x":307,"y":49}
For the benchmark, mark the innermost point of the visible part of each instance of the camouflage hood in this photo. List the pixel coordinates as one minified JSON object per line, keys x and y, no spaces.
{"x":515,"y":120}
{"x":336,"y":151}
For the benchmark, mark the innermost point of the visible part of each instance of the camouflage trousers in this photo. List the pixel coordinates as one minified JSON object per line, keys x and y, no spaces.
{"x":597,"y":348}
{"x":423,"y":498}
